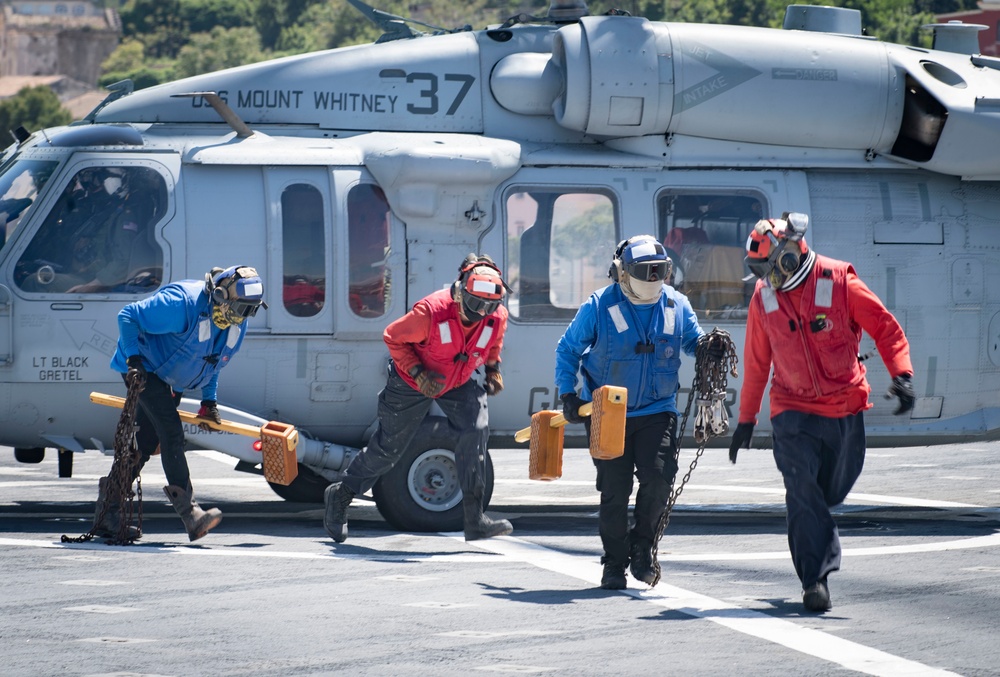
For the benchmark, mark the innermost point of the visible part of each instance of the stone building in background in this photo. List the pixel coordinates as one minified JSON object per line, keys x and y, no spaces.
{"x":56,"y":37}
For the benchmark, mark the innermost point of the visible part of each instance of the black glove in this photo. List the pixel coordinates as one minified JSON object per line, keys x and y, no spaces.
{"x":571,"y":407}
{"x":136,"y":369}
{"x":741,"y":438}
{"x":715,"y":351}
{"x":494,"y":381}
{"x":209,"y":410}
{"x":429,"y":383}
{"x":902,"y":387}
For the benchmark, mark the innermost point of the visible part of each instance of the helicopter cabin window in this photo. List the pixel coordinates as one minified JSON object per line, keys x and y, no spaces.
{"x":559,"y":243}
{"x":20,"y":184}
{"x":99,"y":236}
{"x":303,"y":250}
{"x":705,"y":235}
{"x":368,"y":247}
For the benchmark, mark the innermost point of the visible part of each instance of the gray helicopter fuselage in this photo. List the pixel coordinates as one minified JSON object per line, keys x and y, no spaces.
{"x":371,"y":171}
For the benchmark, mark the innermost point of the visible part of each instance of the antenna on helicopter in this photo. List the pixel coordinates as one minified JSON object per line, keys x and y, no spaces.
{"x":560,"y":12}
{"x":115,"y":91}
{"x":396,"y":27}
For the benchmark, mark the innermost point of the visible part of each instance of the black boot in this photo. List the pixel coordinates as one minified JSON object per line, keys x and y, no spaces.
{"x":337,"y":497}
{"x":644,"y":566}
{"x":478,"y":525}
{"x":817,"y":597}
{"x":108,"y":524}
{"x":614,"y":575}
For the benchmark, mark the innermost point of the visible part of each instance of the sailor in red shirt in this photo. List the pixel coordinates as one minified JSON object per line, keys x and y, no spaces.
{"x":435,"y":349}
{"x":805,"y":322}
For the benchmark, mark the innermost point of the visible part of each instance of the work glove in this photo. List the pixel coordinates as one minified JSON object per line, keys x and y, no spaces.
{"x":209,"y":410}
{"x":429,"y":383}
{"x":716,"y":350}
{"x":741,"y":438}
{"x":494,"y":381}
{"x":136,"y":370}
{"x":571,"y":407}
{"x":902,"y":387}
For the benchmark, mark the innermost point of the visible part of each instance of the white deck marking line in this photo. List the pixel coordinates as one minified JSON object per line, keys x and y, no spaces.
{"x":222,"y":550}
{"x":811,"y":642}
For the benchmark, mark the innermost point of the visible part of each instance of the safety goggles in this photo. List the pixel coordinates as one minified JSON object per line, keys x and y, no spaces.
{"x":480,"y":306}
{"x":760,"y":267}
{"x":244,"y":309}
{"x":649,"y":271}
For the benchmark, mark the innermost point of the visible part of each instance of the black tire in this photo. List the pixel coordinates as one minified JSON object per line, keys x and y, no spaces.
{"x":307,"y":487}
{"x":29,"y":454}
{"x":429,"y":462}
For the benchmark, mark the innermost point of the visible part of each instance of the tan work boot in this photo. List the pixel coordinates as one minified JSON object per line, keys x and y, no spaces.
{"x":198,"y":522}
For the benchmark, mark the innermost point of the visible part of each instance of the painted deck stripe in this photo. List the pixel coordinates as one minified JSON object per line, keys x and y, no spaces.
{"x":811,"y":642}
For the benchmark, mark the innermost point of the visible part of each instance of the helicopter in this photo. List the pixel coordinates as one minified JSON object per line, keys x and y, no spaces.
{"x":357,"y":179}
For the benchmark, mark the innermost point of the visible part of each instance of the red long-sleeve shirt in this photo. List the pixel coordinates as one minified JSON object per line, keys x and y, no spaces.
{"x":867,"y":311}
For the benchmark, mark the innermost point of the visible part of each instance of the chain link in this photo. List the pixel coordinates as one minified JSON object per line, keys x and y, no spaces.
{"x":118,"y":488}
{"x":709,"y":389}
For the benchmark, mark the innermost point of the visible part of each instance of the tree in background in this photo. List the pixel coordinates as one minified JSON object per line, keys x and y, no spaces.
{"x":34,"y":108}
{"x":221,"y":48}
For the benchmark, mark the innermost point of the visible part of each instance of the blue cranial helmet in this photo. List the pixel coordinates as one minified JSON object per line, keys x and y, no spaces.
{"x":642,"y":258}
{"x":239,"y":290}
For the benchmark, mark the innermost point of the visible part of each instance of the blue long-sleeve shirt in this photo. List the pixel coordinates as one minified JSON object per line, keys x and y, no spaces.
{"x":173,"y":332}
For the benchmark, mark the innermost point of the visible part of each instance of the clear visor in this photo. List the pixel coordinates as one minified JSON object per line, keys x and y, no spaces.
{"x":648,"y":271}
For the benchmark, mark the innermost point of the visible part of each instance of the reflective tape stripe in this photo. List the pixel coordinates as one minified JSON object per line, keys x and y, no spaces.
{"x":668,"y":321}
{"x":233,"y":337}
{"x":204,"y":330}
{"x":445,"y":331}
{"x":769,"y":298}
{"x":618,"y":318}
{"x":824,"y":292}
{"x":485,"y":337}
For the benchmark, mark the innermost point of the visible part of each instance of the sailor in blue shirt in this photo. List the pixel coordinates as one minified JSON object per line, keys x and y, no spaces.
{"x":631,"y":333}
{"x":180,"y":338}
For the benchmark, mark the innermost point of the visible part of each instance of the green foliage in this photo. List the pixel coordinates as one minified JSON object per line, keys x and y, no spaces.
{"x":201,"y":16}
{"x":34,"y":108}
{"x":222,"y":48}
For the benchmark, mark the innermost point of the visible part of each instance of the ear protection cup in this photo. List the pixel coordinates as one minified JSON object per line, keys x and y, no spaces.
{"x":220,"y":295}
{"x":788,"y":262}
{"x":615,"y":271}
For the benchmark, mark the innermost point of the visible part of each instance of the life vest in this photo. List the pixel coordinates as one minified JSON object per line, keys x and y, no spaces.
{"x":189,"y":361}
{"x":645,"y":360}
{"x":446,"y":350}
{"x":814,"y":346}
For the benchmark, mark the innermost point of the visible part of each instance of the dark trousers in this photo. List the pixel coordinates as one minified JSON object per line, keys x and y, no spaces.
{"x":649,"y":456}
{"x":820,"y":459}
{"x":401,"y":410}
{"x":160,"y":424}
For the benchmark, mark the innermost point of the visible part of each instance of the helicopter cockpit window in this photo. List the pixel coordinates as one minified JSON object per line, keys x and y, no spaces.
{"x":559,"y":243}
{"x":303,"y":250}
{"x":705,"y":235}
{"x":368,"y":246}
{"x":20,"y":184}
{"x":99,"y":236}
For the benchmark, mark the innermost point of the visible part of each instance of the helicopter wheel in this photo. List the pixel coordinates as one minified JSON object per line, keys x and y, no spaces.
{"x":422,"y":492}
{"x":29,"y":454}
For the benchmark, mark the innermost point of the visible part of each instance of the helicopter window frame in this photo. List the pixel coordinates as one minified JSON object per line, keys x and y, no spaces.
{"x":369,"y":283}
{"x":123,"y":261}
{"x":705,"y":230}
{"x":549,"y":287}
{"x":303,"y":239}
